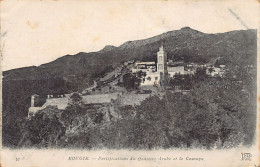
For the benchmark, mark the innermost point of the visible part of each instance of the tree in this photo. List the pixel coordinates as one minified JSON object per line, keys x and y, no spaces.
{"x":183,"y":81}
{"x":200,"y":74}
{"x":75,"y":99}
{"x":43,"y":130}
{"x":211,"y":69}
{"x":131,"y":82}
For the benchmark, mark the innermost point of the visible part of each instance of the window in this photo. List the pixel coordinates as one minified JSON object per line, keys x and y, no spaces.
{"x":160,"y":67}
{"x":160,"y":58}
{"x":156,"y":78}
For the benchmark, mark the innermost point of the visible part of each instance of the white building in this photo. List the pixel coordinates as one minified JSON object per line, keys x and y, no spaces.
{"x":144,"y":67}
{"x":156,"y":72}
{"x":175,"y":70}
{"x":153,"y":71}
{"x":222,"y":66}
{"x":215,"y":71}
{"x":151,"y":78}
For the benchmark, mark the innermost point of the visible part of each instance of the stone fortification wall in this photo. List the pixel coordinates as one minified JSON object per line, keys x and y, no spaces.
{"x":61,"y":103}
{"x":100,"y":98}
{"x":33,"y":110}
{"x":133,"y":99}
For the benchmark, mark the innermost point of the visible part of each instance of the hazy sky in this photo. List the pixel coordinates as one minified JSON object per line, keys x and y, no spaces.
{"x":36,"y":32}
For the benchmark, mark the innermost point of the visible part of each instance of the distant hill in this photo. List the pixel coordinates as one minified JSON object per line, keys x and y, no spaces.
{"x":184,"y":44}
{"x":72,"y":73}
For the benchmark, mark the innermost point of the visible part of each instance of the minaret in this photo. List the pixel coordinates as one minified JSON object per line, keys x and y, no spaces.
{"x":161,"y":60}
{"x":33,"y":99}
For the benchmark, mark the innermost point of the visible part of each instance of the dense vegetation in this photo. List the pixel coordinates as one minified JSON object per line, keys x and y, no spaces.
{"x":131,"y":82}
{"x":218,"y":112}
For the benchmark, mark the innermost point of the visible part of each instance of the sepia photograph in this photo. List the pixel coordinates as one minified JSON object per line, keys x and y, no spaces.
{"x":154,"y":83}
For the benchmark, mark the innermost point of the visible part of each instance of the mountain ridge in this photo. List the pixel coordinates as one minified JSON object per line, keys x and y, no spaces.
{"x":186,"y":43}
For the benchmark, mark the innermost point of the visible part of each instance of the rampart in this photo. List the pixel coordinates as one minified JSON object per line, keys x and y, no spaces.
{"x":62,"y":102}
{"x":133,"y":99}
{"x":100,"y":98}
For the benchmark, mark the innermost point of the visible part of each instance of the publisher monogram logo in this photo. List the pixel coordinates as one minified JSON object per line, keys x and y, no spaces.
{"x":246,"y":156}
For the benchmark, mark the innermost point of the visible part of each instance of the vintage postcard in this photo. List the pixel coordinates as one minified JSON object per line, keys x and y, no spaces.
{"x":129,"y":83}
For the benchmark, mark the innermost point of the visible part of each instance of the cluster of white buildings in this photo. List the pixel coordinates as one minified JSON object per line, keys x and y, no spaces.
{"x":154,"y":72}
{"x":216,"y":71}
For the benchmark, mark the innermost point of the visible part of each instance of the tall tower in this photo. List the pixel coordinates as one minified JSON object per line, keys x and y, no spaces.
{"x":34,"y":99}
{"x":161,"y":60}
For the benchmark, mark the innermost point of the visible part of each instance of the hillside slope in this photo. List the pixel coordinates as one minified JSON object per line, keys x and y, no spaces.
{"x":186,"y":43}
{"x":70,"y":73}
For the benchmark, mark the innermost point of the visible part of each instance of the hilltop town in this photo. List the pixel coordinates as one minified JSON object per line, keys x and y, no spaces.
{"x":181,"y":89}
{"x":148,"y":79}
